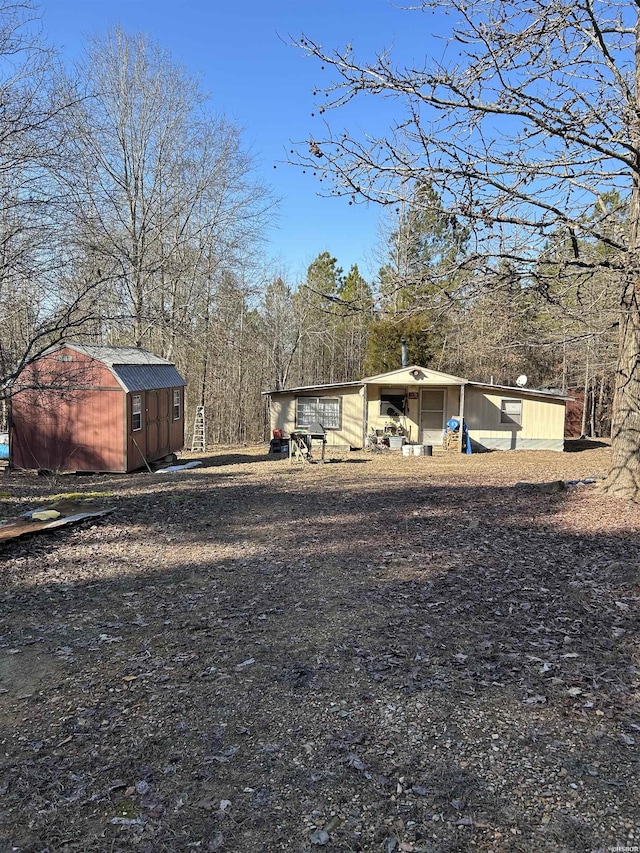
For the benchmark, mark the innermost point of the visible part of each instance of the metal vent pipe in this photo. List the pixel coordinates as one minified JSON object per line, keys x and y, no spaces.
{"x":405,"y":352}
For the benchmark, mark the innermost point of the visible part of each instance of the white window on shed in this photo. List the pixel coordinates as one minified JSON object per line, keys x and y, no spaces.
{"x":136,"y":412}
{"x":511,"y":412}
{"x":176,"y":405}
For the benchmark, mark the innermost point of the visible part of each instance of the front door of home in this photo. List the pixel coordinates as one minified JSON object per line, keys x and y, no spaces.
{"x":432,"y":409}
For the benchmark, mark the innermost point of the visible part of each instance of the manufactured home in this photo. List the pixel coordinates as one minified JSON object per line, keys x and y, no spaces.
{"x":418,"y":403}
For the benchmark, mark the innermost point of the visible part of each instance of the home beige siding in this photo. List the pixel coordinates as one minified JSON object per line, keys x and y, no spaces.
{"x":542,"y":421}
{"x":411,"y":422}
{"x":542,"y":418}
{"x":350,"y":434}
{"x":423,"y":377}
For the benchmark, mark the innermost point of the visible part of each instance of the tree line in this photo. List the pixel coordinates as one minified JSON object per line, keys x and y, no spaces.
{"x":130,"y":213}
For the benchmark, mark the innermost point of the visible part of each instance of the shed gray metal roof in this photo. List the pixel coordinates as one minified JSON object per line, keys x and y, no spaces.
{"x":145,"y":377}
{"x":135,"y":369}
{"x":117,"y":355}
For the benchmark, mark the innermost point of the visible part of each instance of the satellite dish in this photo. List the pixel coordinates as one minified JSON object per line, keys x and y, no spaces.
{"x":521,"y":381}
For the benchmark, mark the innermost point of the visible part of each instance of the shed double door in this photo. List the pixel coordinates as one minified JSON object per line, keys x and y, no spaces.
{"x":158,"y":423}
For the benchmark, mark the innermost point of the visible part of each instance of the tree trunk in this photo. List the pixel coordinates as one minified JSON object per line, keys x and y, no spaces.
{"x":600,"y":407}
{"x":624,"y":477}
{"x":585,"y":399}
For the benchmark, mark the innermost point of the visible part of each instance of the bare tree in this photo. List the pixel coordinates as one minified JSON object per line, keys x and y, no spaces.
{"x":529,"y":120}
{"x":158,"y":183}
{"x":281,"y":327}
{"x":42,"y":297}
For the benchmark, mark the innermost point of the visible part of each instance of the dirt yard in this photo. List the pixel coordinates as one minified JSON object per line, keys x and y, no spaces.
{"x":376,"y":654}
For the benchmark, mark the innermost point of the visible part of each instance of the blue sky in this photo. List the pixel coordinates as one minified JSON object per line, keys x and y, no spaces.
{"x":241,"y":52}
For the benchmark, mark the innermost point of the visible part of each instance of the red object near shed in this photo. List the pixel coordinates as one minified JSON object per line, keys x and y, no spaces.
{"x":96,"y":408}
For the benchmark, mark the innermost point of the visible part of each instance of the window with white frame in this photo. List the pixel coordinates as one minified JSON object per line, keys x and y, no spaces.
{"x":511,"y":412}
{"x":320,"y":410}
{"x":176,"y":405}
{"x":136,"y":412}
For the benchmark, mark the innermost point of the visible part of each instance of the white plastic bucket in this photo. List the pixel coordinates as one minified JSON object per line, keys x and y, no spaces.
{"x":418,"y":450}
{"x":406,"y":450}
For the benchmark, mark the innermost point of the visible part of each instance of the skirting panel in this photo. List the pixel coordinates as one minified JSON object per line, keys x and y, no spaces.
{"x":508,"y":443}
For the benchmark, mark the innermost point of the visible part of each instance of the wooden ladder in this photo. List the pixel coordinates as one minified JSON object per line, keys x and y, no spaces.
{"x":199,"y":440}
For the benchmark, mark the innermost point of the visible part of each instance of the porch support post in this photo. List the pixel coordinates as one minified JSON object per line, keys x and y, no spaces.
{"x":365,"y":415}
{"x":461,"y":416}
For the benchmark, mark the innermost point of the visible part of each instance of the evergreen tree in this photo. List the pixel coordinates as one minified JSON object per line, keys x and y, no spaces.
{"x":319,"y":300}
{"x":354,"y":324}
{"x":419,"y":285}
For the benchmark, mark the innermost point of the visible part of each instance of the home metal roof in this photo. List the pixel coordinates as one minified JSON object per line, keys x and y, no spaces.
{"x":521,"y":390}
{"x":312,"y":387}
{"x":381,"y":378}
{"x":145,"y":377}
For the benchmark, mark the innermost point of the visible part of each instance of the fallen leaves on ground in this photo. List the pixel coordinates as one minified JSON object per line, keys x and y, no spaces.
{"x":375,"y":654}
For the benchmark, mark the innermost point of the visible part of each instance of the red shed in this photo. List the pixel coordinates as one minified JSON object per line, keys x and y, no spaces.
{"x":96,"y":408}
